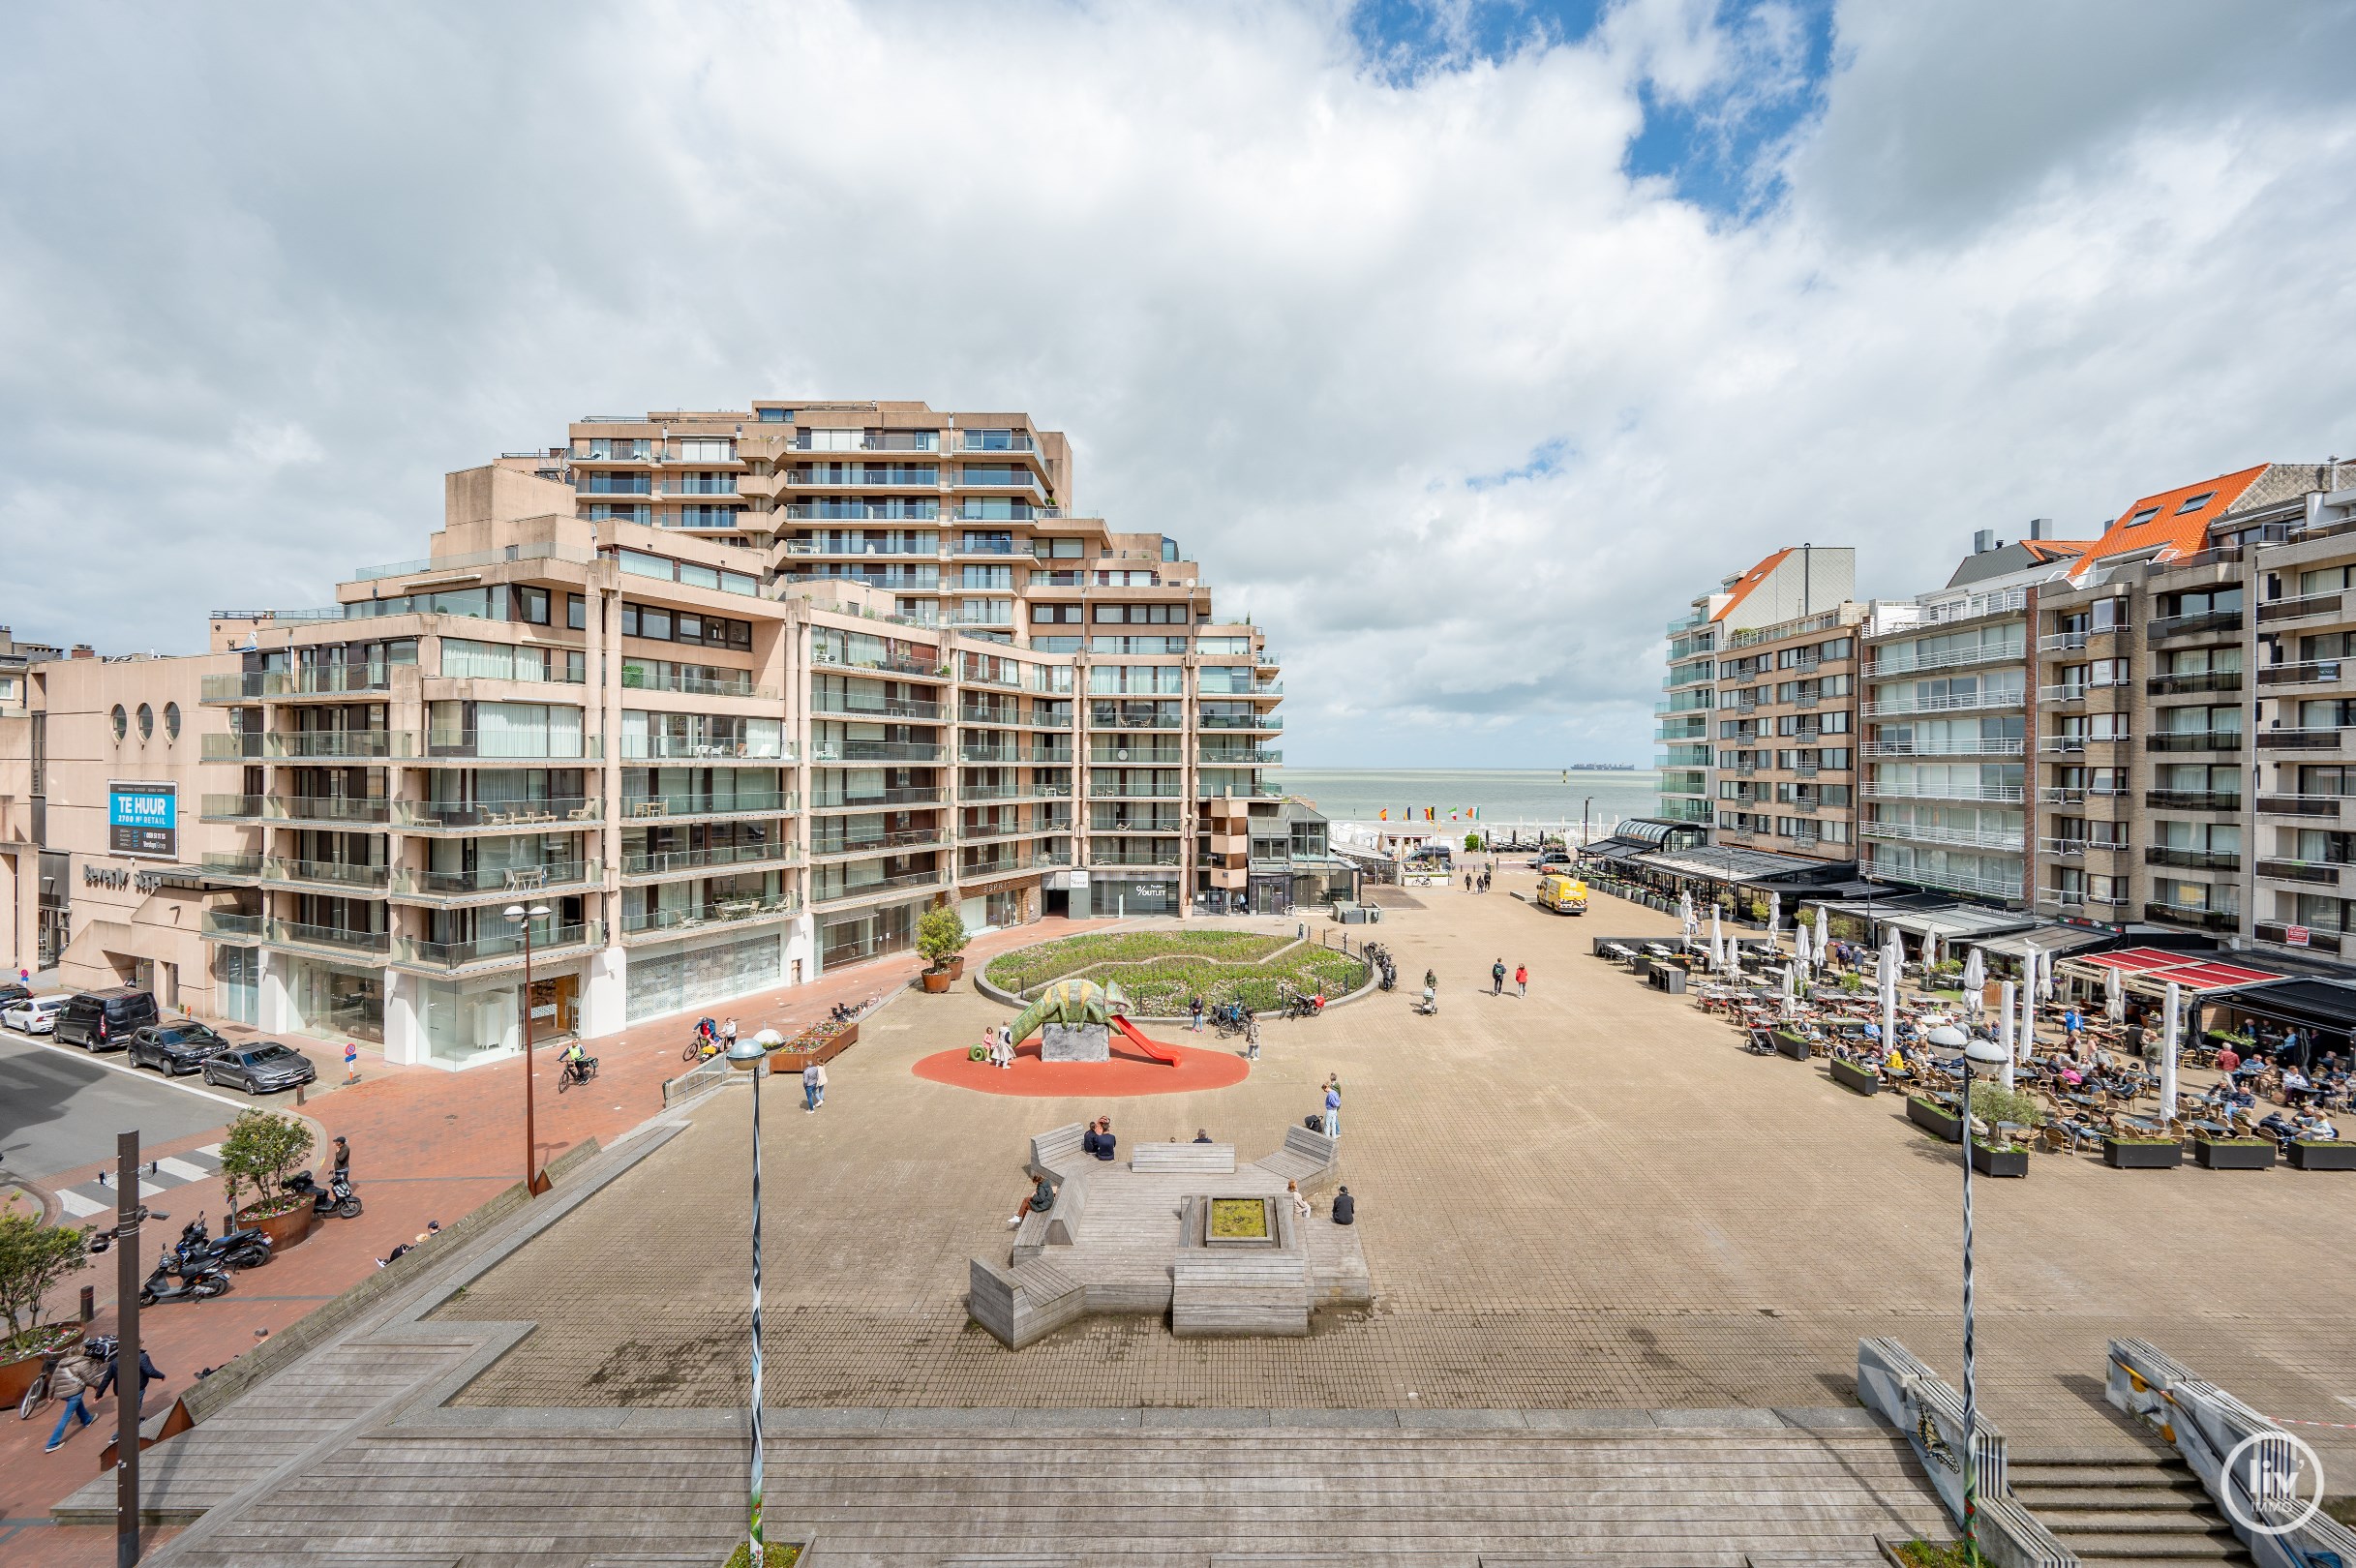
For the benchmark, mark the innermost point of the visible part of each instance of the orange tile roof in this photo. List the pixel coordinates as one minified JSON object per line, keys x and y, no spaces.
{"x":1748,"y":580}
{"x":2166,"y":520}
{"x":2046,"y":550}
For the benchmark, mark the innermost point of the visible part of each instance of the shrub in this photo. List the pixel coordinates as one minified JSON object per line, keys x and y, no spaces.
{"x":1473,"y":841}
{"x":941,"y":935}
{"x":33,"y":1258}
{"x":1993,"y":1102}
{"x":262,"y":1151}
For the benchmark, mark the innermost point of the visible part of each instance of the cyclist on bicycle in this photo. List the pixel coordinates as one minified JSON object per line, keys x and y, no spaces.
{"x":574,"y":1061}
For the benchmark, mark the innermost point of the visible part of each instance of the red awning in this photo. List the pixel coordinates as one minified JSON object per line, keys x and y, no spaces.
{"x":2156,"y":967}
{"x":2134,"y":960}
{"x":2207,"y":977}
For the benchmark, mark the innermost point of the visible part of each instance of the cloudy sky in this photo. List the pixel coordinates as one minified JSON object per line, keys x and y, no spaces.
{"x":1464,"y":340}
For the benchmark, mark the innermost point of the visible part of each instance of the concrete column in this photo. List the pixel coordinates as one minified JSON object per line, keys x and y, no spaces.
{"x":605,"y":992}
{"x":275,"y":1011}
{"x":404,"y":1041}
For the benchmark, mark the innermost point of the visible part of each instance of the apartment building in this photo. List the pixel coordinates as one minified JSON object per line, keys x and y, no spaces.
{"x":1786,"y":711}
{"x":1789,"y":587}
{"x":709,"y":752}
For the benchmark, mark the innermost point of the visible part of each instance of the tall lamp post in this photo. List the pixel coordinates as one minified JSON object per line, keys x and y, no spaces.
{"x":1976,"y":1052}
{"x":521,"y":919}
{"x":752,"y":1056}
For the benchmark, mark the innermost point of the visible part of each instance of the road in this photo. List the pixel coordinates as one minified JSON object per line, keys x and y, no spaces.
{"x":61,"y":1108}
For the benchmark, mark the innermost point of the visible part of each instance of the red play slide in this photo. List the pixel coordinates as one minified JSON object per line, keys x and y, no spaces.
{"x":1150,"y":1048}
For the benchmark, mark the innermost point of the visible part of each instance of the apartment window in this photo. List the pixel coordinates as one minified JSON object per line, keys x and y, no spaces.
{"x":2327,"y":580}
{"x":148,"y":723}
{"x":1057,"y":550}
{"x":1049,"y":615}
{"x":530,"y":604}
{"x":171,"y":721}
{"x":1141,"y":615}
{"x":776,"y":416}
{"x":708,"y":451}
{"x":122,"y":723}
{"x":995,"y":441}
{"x":1001,"y":578}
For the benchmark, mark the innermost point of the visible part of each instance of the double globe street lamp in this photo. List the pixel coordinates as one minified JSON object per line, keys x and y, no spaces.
{"x":752,"y":1056}
{"x":520,"y":920}
{"x":1977,"y":1052}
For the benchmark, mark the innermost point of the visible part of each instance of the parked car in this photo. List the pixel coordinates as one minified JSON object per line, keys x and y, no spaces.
{"x":260,"y":1069}
{"x":106,"y":1020}
{"x":182,"y":1045}
{"x":1553,"y":856}
{"x":12,"y":992}
{"x":34,"y":1015}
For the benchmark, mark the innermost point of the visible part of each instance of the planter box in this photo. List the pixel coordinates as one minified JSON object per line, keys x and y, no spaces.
{"x":2323,"y":1156}
{"x":936,"y":982}
{"x":2254,"y":1154}
{"x":1932,"y":1119}
{"x":1851,"y":1076}
{"x":1999,"y":1161}
{"x":2142,"y":1156}
{"x":16,"y":1377}
{"x":956,"y":967}
{"x":1795,"y":1047}
{"x":788,"y":1059}
{"x":284,"y":1230}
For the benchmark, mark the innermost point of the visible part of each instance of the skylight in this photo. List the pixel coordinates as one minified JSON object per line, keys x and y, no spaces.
{"x":2144,"y":516}
{"x":2193,"y":504}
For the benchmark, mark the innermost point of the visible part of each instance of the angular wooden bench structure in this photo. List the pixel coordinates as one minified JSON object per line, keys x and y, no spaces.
{"x":1022,"y":1303}
{"x":1059,"y":1227}
{"x":1200,"y":1158}
{"x":1057,"y":1152}
{"x":1216,"y":1293}
{"x":1310,"y":1159}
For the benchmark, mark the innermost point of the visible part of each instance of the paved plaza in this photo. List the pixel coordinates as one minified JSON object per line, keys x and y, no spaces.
{"x":1590,"y":1198}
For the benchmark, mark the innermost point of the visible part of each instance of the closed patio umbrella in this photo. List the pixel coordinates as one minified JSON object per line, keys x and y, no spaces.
{"x":1685,"y":911}
{"x":2044,"y":971}
{"x":2005,"y":1031}
{"x":2028,"y":1014}
{"x":1823,"y":934}
{"x":1800,"y":951}
{"x":1717,"y":944}
{"x":1889,"y":994}
{"x":2167,"y":1053}
{"x":1774,"y":912}
{"x":1975,"y":977}
{"x":2114,"y":996}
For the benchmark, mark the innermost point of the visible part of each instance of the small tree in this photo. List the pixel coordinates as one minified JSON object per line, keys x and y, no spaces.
{"x":262,"y":1151}
{"x":1993,"y":1102}
{"x":940,"y":936}
{"x":33,"y":1258}
{"x":1473,"y":841}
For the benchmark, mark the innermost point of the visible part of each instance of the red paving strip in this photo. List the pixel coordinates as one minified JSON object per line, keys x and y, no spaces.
{"x":1124,"y":1075}
{"x":427,"y":1144}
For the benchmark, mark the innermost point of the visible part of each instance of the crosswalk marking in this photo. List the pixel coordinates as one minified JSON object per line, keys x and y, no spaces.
{"x":80,"y":1207}
{"x":98,"y":1196}
{"x":182,"y":1169}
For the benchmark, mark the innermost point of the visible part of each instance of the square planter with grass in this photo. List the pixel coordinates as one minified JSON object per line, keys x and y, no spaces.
{"x":1936,"y":1119}
{"x":2140,"y":1153}
{"x":2233,"y":1154}
{"x":2328,"y":1155}
{"x":1849,"y":1075}
{"x":1795,"y":1047}
{"x":2011,"y":1160}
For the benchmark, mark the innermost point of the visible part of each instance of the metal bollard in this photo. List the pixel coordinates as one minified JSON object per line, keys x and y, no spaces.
{"x":298,"y":1093}
{"x":89,"y":1303}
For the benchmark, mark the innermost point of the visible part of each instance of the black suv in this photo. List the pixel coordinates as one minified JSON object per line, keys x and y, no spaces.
{"x":106,"y":1020}
{"x":182,"y":1045}
{"x":260,"y":1069}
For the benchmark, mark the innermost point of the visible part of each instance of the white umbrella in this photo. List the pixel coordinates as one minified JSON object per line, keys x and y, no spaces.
{"x":2044,"y":970}
{"x":1975,"y":977}
{"x":2003,"y":1031}
{"x":1774,"y":912}
{"x":2114,"y":995}
{"x":1790,"y":1002}
{"x":1801,"y":951}
{"x":1717,"y":944}
{"x":1686,"y":910}
{"x":1889,"y":994}
{"x":1824,"y":933}
{"x":2167,"y":1054}
{"x":2028,"y":1021}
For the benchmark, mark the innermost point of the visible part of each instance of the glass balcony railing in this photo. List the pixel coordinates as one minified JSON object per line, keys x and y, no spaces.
{"x":326,"y":873}
{"x":686,"y":748}
{"x":327,"y":680}
{"x":500,"y":948}
{"x":881,"y":707}
{"x":692,"y":803}
{"x":829,"y":845}
{"x":865,"y":751}
{"x":327,"y":939}
{"x":564,"y":811}
{"x":486,"y":879}
{"x":831,"y":890}
{"x":719,"y":912}
{"x":837,"y":801}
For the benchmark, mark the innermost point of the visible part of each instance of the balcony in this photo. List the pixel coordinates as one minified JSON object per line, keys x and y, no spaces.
{"x":483,"y":883}
{"x":1012,"y":865}
{"x":334,"y":746}
{"x":496,"y":951}
{"x":1968,"y":746}
{"x":978,"y":833}
{"x":2207,"y":621}
{"x":2063,"y":641}
{"x":1204,"y":792}
{"x":659,"y":924}
{"x":1951,"y":837}
{"x":834,"y":753}
{"x":2307,"y":673}
{"x":1950,"y":659}
{"x":866,"y":546}
{"x":638,"y":678}
{"x":2071,"y":899}
{"x":2312,"y":938}
{"x":336,"y":876}
{"x":1147,"y":791}
{"x":826,"y":896}
{"x":229,"y":808}
{"x":881,"y":664}
{"x":333,"y":940}
{"x":231,"y":869}
{"x":335,"y":810}
{"x":2192,"y":860}
{"x":2080,"y":848}
{"x":2323,"y":873}
{"x":858,"y":708}
{"x":981,"y":754}
{"x":2301,"y":740}
{"x":884,"y":800}
{"x":2071,"y":745}
{"x":2002,"y":794}
{"x":2299,"y":608}
{"x":1265,"y":722}
{"x":1964,"y":882}
{"x":2075,"y":794}
{"x":2300,"y":805}
{"x":327,"y":680}
{"x":886,"y":440}
{"x":1102,"y":755}
{"x":683,"y":748}
{"x":840,"y":847}
{"x":1966,"y":703}
{"x":1013,"y":792}
{"x":2193,"y":917}
{"x":686,"y":805}
{"x":2186,"y":685}
{"x":2194,"y":741}
{"x":565,"y":812}
{"x":1131,"y":855}
{"x":1257,"y":757}
{"x":2192,"y":801}
{"x":227,"y":925}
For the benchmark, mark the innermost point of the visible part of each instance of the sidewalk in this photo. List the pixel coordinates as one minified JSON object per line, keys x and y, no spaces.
{"x":427,"y":1144}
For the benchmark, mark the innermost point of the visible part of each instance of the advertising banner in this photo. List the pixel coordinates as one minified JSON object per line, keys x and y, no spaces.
{"x":143,"y":819}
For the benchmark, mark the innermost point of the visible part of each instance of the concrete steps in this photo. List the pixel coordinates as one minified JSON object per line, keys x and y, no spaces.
{"x":2119,"y":1515}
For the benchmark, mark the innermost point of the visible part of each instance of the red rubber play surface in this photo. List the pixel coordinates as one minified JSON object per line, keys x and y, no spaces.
{"x":1127,"y":1074}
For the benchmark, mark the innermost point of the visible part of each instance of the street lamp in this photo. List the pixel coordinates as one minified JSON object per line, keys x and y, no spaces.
{"x":521,"y":919}
{"x":751,"y":1056}
{"x":1976,"y":1052}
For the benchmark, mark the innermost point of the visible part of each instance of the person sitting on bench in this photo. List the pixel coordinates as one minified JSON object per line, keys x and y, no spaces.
{"x":1202,"y":1135}
{"x":1346,"y":1208}
{"x":1040,"y":1200}
{"x":1099,"y":1140}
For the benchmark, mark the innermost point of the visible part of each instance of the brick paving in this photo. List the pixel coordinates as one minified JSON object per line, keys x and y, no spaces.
{"x":1588,"y":1198}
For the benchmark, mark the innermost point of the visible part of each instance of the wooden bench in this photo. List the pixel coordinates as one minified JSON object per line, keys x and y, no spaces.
{"x":1221,"y":1293}
{"x":1059,"y":1227}
{"x":1310,"y":1159}
{"x":1057,"y":1152}
{"x":1023,"y":1302}
{"x":1203,"y":1159}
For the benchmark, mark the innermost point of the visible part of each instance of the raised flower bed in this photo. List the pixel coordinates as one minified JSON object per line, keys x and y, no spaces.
{"x":1935,"y":1119}
{"x":285,"y":1221}
{"x":21,"y":1359}
{"x":820,"y":1043}
{"x":1849,"y":1075}
{"x":2233,"y":1154}
{"x":2010,"y":1160}
{"x":1795,"y":1047}
{"x":2142,"y":1153}
{"x":2327,"y":1156}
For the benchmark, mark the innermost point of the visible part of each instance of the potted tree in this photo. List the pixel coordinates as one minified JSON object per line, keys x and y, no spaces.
{"x":33,"y":1258}
{"x":262,"y":1151}
{"x":941,"y":939}
{"x":1997,"y":1108}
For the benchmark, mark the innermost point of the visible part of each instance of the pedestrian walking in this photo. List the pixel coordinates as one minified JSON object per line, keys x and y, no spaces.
{"x":1252,"y":1039}
{"x":1496,"y":977}
{"x":1194,"y":1006}
{"x":148,"y":1373}
{"x":812,"y":1078}
{"x":70,"y":1383}
{"x":728,"y":1036}
{"x":1333,"y":1110}
{"x":1522,"y":977}
{"x":352,"y":1061}
{"x":1469,"y":882}
{"x":343,"y":1155}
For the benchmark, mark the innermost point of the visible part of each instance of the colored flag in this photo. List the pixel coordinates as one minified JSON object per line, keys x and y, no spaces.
{"x":1384,"y":815}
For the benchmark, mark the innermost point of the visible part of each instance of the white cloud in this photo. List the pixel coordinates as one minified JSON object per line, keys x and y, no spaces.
{"x":1311,"y":320}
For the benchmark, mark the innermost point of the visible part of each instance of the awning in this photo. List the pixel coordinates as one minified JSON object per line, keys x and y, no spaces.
{"x":1721,"y":864}
{"x":2311,"y":1004}
{"x":1960,"y":924}
{"x":2153,"y":968}
{"x":2052,"y":940}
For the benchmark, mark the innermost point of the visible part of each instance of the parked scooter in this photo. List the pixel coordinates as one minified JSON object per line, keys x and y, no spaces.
{"x":197,"y":1282}
{"x":247,"y":1249}
{"x":336,"y":1198}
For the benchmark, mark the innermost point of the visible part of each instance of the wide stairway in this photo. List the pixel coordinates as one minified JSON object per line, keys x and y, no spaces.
{"x":2126,"y":1513}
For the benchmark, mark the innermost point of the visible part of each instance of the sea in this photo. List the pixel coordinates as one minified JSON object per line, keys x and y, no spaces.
{"x":1504,"y":795}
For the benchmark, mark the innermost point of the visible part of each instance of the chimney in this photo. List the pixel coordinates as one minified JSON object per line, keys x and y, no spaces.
{"x":82,"y":650}
{"x":1983,"y":541}
{"x":2041,"y":528}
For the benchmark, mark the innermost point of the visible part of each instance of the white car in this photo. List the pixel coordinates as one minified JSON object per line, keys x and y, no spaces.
{"x":35,"y":1015}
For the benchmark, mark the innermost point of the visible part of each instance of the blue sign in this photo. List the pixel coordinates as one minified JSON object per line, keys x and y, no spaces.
{"x":143,"y":819}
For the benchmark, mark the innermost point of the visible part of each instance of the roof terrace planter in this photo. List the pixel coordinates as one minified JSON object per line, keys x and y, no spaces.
{"x":1849,"y":1075}
{"x":2142,"y":1153}
{"x":2233,"y":1154}
{"x":2327,"y":1156}
{"x":1935,"y":1119}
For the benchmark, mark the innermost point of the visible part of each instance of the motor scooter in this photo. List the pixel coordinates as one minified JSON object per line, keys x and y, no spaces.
{"x":197,"y":1282}
{"x":336,"y":1198}
{"x":246,"y":1248}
